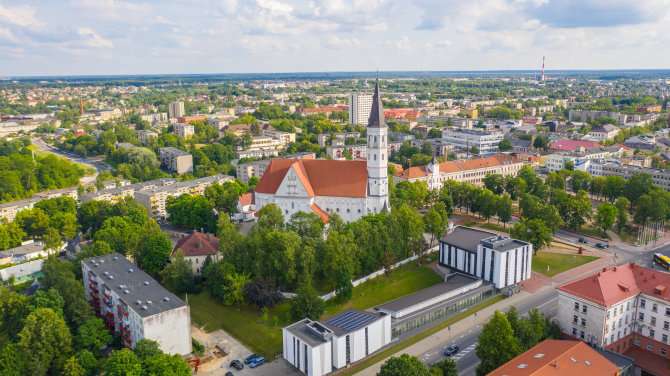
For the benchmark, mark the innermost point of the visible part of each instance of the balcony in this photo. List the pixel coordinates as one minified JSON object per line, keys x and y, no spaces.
{"x":108,"y":303}
{"x":123,"y":310}
{"x":95,"y":283}
{"x":106,"y":295}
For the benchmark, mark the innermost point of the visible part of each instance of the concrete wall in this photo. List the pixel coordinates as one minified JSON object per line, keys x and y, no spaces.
{"x":594,"y":316}
{"x":171,"y":329}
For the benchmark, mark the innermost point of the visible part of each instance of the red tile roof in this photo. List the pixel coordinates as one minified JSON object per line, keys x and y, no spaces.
{"x":572,"y":145}
{"x":648,"y":360}
{"x":455,"y":166}
{"x":555,"y":357}
{"x":246,"y":199}
{"x":197,"y":244}
{"x":618,"y":283}
{"x":321,"y":177}
{"x":324,"y":216}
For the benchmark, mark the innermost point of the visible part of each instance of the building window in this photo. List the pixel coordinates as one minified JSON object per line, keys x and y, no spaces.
{"x":651,"y":333}
{"x":640,"y":317}
{"x":666,"y":325}
{"x":581,"y":334}
{"x":637,"y":342}
{"x":654,"y":307}
{"x":366,"y":342}
{"x":608,"y":313}
{"x":643,"y":303}
{"x":305,"y":358}
{"x":575,"y":319}
{"x":664,"y":338}
{"x":653,"y":320}
{"x":662,"y":351}
{"x":584,"y":308}
{"x":574,"y":332}
{"x":667,"y":311}
{"x":650,"y":347}
{"x":348,"y":350}
{"x":583,"y":322}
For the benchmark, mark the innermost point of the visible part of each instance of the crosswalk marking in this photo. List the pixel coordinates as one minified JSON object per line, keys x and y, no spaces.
{"x":464,"y":352}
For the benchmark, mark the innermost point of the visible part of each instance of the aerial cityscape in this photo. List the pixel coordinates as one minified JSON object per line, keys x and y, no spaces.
{"x":343,"y":187}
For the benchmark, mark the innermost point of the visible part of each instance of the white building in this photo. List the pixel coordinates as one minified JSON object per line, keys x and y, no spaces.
{"x":620,"y":308}
{"x":135,"y":306}
{"x":157,"y":118}
{"x":175,"y":160}
{"x":604,"y":132}
{"x":492,"y":257}
{"x":360,"y":107}
{"x":184,"y":130}
{"x":318,"y":348}
{"x":350,"y":189}
{"x":464,"y":139}
{"x":176,"y":109}
{"x":144,"y":135}
{"x":470,"y":171}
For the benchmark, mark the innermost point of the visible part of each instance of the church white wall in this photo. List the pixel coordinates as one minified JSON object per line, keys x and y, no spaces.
{"x":348,"y":208}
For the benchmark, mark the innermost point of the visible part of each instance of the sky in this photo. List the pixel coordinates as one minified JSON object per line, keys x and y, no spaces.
{"x":109,"y":37}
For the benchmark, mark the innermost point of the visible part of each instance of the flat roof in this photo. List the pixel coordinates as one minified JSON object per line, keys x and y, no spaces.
{"x":338,"y":322}
{"x":468,"y":238}
{"x":455,"y":281}
{"x":122,"y":275}
{"x":301,"y":330}
{"x":23,"y":249}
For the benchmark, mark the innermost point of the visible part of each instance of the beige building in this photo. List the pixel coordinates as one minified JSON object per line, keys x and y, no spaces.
{"x":176,"y":109}
{"x":184,"y":130}
{"x":284,"y":138}
{"x":605,"y":132}
{"x":114,"y":195}
{"x":246,"y":171}
{"x":8,"y":210}
{"x":175,"y":160}
{"x":196,"y":247}
{"x":155,"y":199}
{"x":145,"y":134}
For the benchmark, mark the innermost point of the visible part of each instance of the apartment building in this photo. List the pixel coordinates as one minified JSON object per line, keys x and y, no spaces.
{"x":175,"y":160}
{"x":659,"y":176}
{"x":246,"y":171}
{"x":134,"y":306}
{"x":154,"y":199}
{"x":604,"y":132}
{"x":144,"y":135}
{"x":317,"y":348}
{"x":283,"y":138}
{"x":556,"y":162}
{"x":338,"y":138}
{"x":157,"y":118}
{"x":114,"y":195}
{"x":360,"y":106}
{"x":256,"y":153}
{"x":626,"y":309}
{"x":184,"y":130}
{"x":485,"y":141}
{"x":496,"y":258}
{"x":176,"y":109}
{"x":471,"y":171}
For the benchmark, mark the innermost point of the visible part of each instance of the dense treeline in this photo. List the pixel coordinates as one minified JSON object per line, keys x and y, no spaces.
{"x":22,"y":175}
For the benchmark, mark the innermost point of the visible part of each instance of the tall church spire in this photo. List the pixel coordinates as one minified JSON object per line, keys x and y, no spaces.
{"x":377,"y":114}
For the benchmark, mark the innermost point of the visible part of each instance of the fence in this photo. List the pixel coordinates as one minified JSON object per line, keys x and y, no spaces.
{"x":370,"y":276}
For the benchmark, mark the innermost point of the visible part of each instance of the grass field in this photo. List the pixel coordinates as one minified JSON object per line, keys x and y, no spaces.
{"x":469,"y":224}
{"x":491,"y":226}
{"x":88,"y":169}
{"x":412,"y":340}
{"x":265,"y":338}
{"x":558,"y":262}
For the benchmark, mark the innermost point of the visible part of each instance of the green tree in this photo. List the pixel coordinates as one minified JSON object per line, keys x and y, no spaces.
{"x":504,"y":209}
{"x":541,"y":142}
{"x":622,"y":213}
{"x":307,"y":304}
{"x":533,"y":231}
{"x":52,"y":240}
{"x":474,"y":150}
{"x":195,"y":212}
{"x":580,"y":181}
{"x":505,"y":145}
{"x":606,"y":214}
{"x":177,"y":276}
{"x":403,"y":365}
{"x":166,"y":365}
{"x":636,"y":186}
{"x":270,"y":216}
{"x":344,"y":288}
{"x":445,"y":367}
{"x":435,"y":223}
{"x":496,"y":344}
{"x":228,"y":235}
{"x":47,"y":299}
{"x":146,"y":348}
{"x":45,"y":342}
{"x":87,"y":360}
{"x":598,"y":185}
{"x":614,"y":187}
{"x":11,"y":235}
{"x":93,"y":335}
{"x":154,"y":253}
{"x":123,"y":363}
{"x":72,"y":368}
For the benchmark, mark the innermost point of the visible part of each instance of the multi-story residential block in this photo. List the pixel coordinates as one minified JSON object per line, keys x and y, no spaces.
{"x":492,"y":257}
{"x":284,"y":138}
{"x":246,"y":171}
{"x":558,"y":161}
{"x":184,"y":130}
{"x":144,"y":135}
{"x":135,"y":306}
{"x":360,"y":105}
{"x":604,"y":132}
{"x":114,"y":195}
{"x":471,"y":171}
{"x":175,"y":160}
{"x":154,"y":199}
{"x":358,"y":150}
{"x":485,"y":141}
{"x":256,"y":153}
{"x":176,"y":109}
{"x":338,"y":138}
{"x":659,"y":176}
{"x":157,"y":118}
{"x":626,"y":309}
{"x":317,"y":348}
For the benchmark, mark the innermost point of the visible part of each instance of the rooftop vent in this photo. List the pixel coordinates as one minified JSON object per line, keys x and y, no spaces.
{"x":126,"y":291}
{"x":538,"y":355}
{"x":130,"y":270}
{"x":105,"y":273}
{"x":587,"y":362}
{"x":167,"y":298}
{"x":522,"y":365}
{"x":149,"y":302}
{"x":144,"y":308}
{"x":138,"y":302}
{"x":115,"y":258}
{"x":111,"y":277}
{"x":146,"y":283}
{"x":573,"y":359}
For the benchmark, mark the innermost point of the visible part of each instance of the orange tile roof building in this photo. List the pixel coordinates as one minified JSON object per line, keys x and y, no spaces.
{"x":472,"y":171}
{"x":558,"y":358}
{"x":626,"y":309}
{"x":350,"y":189}
{"x":196,"y":247}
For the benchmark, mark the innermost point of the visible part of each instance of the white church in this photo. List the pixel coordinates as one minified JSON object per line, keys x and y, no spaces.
{"x":350,"y":189}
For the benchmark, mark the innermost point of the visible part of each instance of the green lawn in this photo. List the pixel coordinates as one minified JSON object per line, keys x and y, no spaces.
{"x":469,"y":224}
{"x":265,"y":338}
{"x":558,"y":262}
{"x":242,"y":323}
{"x":355,"y":368}
{"x":88,"y":170}
{"x":491,"y":226}
{"x":404,"y":280}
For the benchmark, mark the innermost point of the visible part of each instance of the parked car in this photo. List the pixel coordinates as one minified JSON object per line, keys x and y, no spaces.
{"x":582,"y":240}
{"x":250,"y":358}
{"x":601,"y":245}
{"x":257,"y":362}
{"x":237,"y":364}
{"x":229,"y":374}
{"x":451,"y":350}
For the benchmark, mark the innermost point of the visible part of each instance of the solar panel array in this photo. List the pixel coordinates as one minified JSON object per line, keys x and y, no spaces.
{"x":351,"y":321}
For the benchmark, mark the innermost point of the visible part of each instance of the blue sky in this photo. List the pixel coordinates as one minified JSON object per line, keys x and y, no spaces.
{"x":59,"y":37}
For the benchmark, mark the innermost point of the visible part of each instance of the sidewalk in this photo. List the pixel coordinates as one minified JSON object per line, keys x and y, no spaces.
{"x":456,"y":331}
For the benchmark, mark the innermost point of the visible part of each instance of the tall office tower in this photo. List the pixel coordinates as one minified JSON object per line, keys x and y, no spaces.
{"x":176,"y":109}
{"x":360,"y":105}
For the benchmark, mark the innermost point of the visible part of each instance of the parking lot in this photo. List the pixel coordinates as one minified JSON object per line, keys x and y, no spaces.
{"x":237,"y":350}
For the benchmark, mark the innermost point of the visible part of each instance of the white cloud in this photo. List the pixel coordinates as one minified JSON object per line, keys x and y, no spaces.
{"x":21,"y":15}
{"x":92,"y":39}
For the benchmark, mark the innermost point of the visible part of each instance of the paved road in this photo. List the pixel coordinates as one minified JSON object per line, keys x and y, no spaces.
{"x":95,"y":163}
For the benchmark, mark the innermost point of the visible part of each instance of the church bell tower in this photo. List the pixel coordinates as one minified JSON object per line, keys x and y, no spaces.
{"x":377,"y":132}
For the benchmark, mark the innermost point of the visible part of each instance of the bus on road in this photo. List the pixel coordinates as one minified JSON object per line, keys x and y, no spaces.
{"x":662,"y":260}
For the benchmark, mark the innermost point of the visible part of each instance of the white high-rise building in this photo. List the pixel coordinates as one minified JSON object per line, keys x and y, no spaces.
{"x":176,"y":109}
{"x":360,"y":106}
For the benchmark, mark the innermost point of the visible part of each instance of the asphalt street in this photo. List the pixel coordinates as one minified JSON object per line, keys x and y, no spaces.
{"x":95,"y":163}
